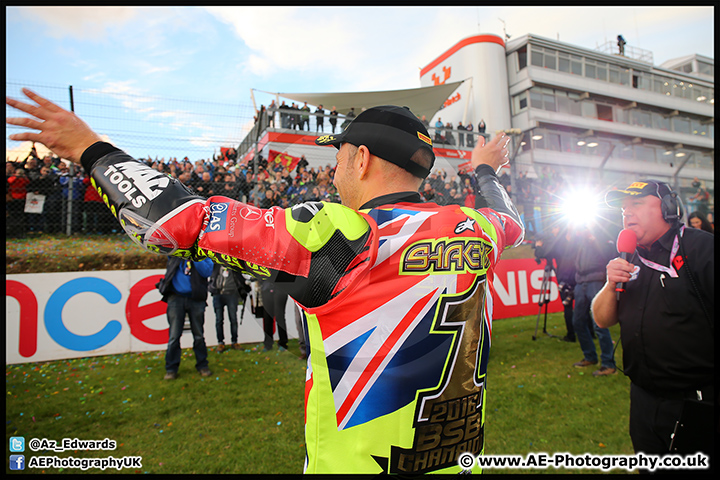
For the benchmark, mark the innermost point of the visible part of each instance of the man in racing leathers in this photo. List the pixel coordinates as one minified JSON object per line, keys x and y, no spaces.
{"x":396,"y":293}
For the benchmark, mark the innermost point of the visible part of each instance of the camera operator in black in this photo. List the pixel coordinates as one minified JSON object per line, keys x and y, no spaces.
{"x":559,"y":246}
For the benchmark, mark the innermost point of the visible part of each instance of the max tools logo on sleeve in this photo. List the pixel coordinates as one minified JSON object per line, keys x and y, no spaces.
{"x":139,"y":183}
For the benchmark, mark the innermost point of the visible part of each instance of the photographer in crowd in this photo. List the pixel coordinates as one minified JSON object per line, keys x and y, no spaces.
{"x":594,"y":252}
{"x":559,"y":246}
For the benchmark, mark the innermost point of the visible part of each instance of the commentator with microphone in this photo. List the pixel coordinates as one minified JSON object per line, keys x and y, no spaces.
{"x":665,"y":275}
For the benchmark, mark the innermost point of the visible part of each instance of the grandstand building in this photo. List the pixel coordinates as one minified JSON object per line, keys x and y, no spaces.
{"x":604,"y":115}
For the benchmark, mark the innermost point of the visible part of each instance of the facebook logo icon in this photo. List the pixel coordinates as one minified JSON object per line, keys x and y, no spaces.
{"x":17,"y":462}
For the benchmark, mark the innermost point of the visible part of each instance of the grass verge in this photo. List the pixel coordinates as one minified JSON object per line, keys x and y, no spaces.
{"x":248,"y":416}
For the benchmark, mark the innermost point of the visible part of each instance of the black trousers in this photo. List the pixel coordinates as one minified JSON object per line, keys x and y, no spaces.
{"x":652,"y":423}
{"x":274,"y":302}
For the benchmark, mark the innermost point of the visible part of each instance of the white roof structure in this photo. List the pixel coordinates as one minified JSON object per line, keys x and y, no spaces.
{"x":421,"y":101}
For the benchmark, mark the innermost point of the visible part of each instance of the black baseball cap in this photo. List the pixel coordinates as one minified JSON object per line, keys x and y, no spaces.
{"x":642,"y":188}
{"x":389,"y":132}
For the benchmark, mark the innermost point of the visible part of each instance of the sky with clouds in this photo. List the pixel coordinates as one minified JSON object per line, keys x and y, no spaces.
{"x":218,"y":54}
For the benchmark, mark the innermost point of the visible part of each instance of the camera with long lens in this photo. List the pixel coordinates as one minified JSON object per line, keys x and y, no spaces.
{"x":541,"y":253}
{"x":566,"y":293}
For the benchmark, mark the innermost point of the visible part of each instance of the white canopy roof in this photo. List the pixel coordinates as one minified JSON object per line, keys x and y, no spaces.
{"x":421,"y":101}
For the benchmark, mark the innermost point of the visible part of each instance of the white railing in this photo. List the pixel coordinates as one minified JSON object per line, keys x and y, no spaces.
{"x":611,"y":48}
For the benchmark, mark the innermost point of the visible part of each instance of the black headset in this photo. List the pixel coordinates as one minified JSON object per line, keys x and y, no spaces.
{"x":671,"y":206}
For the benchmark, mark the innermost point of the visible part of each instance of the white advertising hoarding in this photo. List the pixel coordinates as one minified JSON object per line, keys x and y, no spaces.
{"x":51,"y":316}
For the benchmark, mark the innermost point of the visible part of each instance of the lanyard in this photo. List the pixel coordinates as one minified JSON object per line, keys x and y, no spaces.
{"x":661,"y":268}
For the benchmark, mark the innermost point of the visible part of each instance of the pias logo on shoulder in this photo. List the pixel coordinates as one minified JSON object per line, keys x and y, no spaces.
{"x":138,"y":182}
{"x":218,"y":217}
{"x":445,"y":256}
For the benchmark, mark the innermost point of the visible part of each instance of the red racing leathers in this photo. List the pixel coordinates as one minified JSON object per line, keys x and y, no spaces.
{"x":396,"y":298}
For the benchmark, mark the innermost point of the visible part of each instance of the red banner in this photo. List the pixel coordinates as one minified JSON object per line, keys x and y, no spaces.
{"x":517,"y":289}
{"x":283,"y":159}
{"x":465,"y":167}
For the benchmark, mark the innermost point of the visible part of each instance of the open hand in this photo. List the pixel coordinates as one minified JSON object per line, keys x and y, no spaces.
{"x":495,"y":153}
{"x":63,"y":132}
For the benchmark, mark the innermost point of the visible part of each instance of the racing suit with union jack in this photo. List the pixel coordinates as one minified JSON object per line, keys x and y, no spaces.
{"x":396,"y":299}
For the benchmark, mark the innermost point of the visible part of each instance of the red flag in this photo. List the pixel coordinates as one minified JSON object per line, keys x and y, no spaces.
{"x":465,"y":167}
{"x":283,"y":159}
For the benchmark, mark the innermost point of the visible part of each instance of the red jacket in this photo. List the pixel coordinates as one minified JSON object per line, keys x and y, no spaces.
{"x":18,"y":187}
{"x":91,"y":194}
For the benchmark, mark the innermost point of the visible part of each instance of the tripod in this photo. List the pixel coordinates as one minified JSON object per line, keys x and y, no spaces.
{"x":544,"y":298}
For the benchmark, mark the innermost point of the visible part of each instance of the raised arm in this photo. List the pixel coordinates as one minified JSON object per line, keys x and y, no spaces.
{"x":487,"y":159}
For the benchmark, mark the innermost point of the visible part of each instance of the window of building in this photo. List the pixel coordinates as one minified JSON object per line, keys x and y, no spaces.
{"x":623,"y":152}
{"x":686,"y":68}
{"x":520,"y":102}
{"x":660,"y":122}
{"x":590,"y":68}
{"x":522,"y":58}
{"x":644,"y":153}
{"x":601,"y":71}
{"x":564,"y":62}
{"x":645,"y":81}
{"x":698,"y":128}
{"x":552,"y":142}
{"x":566,"y":104}
{"x":604,"y":148}
{"x":604,"y":112}
{"x":536,"y":56}
{"x":624,"y":76}
{"x":549,"y":102}
{"x":576,"y":65}
{"x":704,"y":160}
{"x":569,"y":143}
{"x":536,"y":98}
{"x":526,"y":143}
{"x":681,"y":125}
{"x":701,"y":94}
{"x":588,"y":109}
{"x":622,"y":115}
{"x":682,"y":90}
{"x":662,"y":85}
{"x":706,"y":68}
{"x":640,"y":118}
{"x":550,"y":59}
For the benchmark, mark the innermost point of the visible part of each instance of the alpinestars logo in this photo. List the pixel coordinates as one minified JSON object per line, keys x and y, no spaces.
{"x":468,"y":224}
{"x":139,"y":183}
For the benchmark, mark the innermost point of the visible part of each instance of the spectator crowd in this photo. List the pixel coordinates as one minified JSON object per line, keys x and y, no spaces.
{"x":39,"y":199}
{"x":48,"y":183}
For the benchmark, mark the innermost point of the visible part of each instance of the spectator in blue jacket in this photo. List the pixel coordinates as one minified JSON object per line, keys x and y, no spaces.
{"x":184,"y":288}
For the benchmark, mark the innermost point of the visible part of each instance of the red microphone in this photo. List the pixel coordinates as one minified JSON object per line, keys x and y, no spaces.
{"x":626,"y":243}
